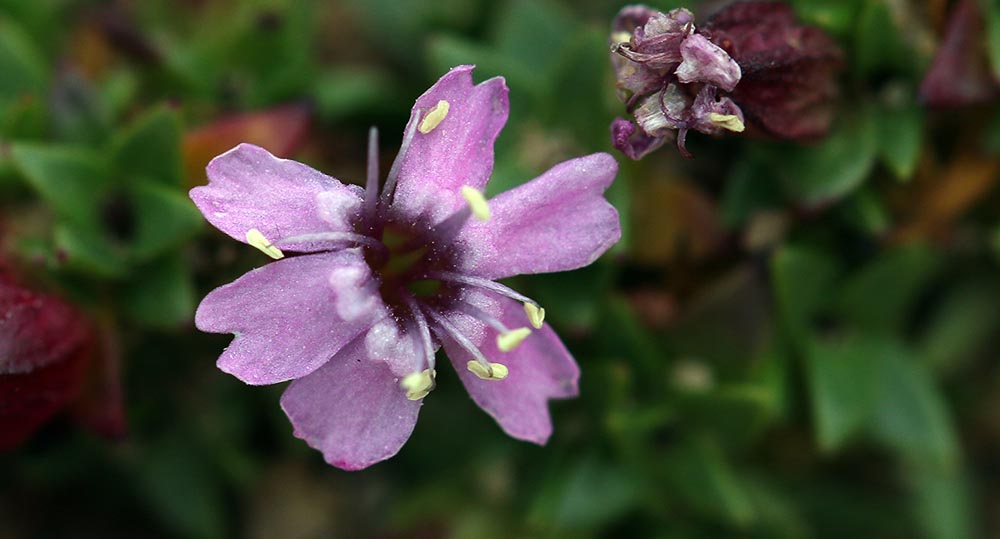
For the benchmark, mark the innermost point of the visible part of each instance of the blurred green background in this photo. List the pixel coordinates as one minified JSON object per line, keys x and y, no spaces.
{"x":791,"y":341}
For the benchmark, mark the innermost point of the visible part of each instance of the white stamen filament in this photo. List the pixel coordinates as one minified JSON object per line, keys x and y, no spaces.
{"x":393,"y":177}
{"x":507,"y":339}
{"x":481,"y":283}
{"x":371,"y":180}
{"x":423,"y":327}
{"x":480,"y":314}
{"x":256,"y":238}
{"x":454,"y":334}
{"x":332,"y":236}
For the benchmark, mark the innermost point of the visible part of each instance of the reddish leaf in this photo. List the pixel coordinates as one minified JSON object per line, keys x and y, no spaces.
{"x":280,"y":130}
{"x":44,"y":347}
{"x":960,"y":73}
{"x":788,"y":81}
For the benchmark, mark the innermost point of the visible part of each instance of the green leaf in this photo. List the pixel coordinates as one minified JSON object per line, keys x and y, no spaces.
{"x":835,"y":166}
{"x":164,"y":219}
{"x":843,"y":381}
{"x":735,"y":414}
{"x":23,"y":66}
{"x":70,"y":180}
{"x":150,"y":148}
{"x":879,"y":296}
{"x":900,"y":134}
{"x":965,"y":322}
{"x":446,"y":51}
{"x":90,"y":251}
{"x":865,"y":211}
{"x":344,"y":91}
{"x":942,"y":502}
{"x":161,"y":294}
{"x":910,"y":413}
{"x":878,"y":42}
{"x":533,"y":34}
{"x":750,"y":188}
{"x":180,"y":488}
{"x":78,"y":111}
{"x":575,"y":310}
{"x":992,"y":9}
{"x":804,"y":280}
{"x":835,"y":16}
{"x":587,"y":493}
{"x":698,"y":473}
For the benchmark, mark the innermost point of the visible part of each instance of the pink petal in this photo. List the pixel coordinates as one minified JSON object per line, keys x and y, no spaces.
{"x":352,"y":409}
{"x":291,"y":316}
{"x":250,"y":188}
{"x":459,"y":151}
{"x":539,"y":369}
{"x":556,"y":222}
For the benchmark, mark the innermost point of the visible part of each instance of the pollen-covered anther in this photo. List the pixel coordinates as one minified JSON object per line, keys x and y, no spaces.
{"x":618,"y":38}
{"x":418,"y":384}
{"x":477,"y":203}
{"x":496,"y":371}
{"x":509,"y":340}
{"x":731,"y":122}
{"x":536,"y":315}
{"x":434,"y":117}
{"x":257,"y":239}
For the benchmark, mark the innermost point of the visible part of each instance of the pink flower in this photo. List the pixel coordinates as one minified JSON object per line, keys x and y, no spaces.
{"x":385,"y":279}
{"x":750,"y":62}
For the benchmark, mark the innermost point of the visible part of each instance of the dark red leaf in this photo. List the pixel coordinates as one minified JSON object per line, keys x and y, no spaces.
{"x":960,"y":73}
{"x":44,"y":348}
{"x":788,"y":83}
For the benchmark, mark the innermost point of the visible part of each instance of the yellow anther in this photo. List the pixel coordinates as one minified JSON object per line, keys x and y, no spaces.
{"x":434,"y":116}
{"x":618,"y":38}
{"x":418,"y":384}
{"x":731,"y":122}
{"x":497,"y":371}
{"x":510,"y":340}
{"x":256,"y":239}
{"x":477,"y":203}
{"x":536,"y":315}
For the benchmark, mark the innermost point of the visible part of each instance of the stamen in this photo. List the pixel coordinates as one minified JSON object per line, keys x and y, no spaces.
{"x":461,"y":340}
{"x":480,"y":314}
{"x":418,"y":384}
{"x":481,"y":283}
{"x":536,"y":314}
{"x":257,"y":239}
{"x":477,"y":203}
{"x":510,"y":340}
{"x":423,"y":327}
{"x":497,"y":371}
{"x":393,"y":177}
{"x":371,"y":180}
{"x":731,"y":122}
{"x":434,"y":116}
{"x":507,"y":339}
{"x":331,"y":236}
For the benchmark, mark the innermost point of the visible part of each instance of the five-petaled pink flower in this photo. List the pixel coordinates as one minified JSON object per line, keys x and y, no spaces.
{"x":384,"y":279}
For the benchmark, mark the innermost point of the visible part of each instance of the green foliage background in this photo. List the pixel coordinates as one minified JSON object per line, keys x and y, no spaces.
{"x":791,"y":341}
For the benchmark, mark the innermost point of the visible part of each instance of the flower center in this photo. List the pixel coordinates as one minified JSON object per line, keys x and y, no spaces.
{"x":404,"y":267}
